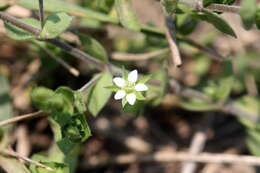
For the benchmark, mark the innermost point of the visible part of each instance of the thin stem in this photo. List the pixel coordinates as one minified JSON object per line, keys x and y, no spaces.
{"x":10,"y":19}
{"x":71,"y":69}
{"x":19,"y":156}
{"x":64,"y":46}
{"x":42,"y":113}
{"x":173,"y":157}
{"x":23,"y":117}
{"x":171,"y":38}
{"x":139,"y":56}
{"x":41,"y":12}
{"x":214,"y":7}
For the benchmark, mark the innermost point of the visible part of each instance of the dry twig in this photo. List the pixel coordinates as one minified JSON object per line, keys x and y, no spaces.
{"x":198,"y":143}
{"x":172,"y":157}
{"x":17,"y":155}
{"x":138,"y":56}
{"x":171,"y":38}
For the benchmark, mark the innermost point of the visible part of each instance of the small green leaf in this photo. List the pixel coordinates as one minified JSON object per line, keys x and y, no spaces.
{"x":144,"y":79}
{"x":66,"y":92}
{"x":99,"y":95}
{"x":156,"y":92}
{"x":69,"y":7}
{"x":41,"y":96}
{"x":135,"y":109}
{"x":217,"y":21}
{"x":124,"y":102}
{"x":17,"y":33}
{"x":170,"y":6}
{"x":55,"y":25}
{"x":225,"y":83}
{"x":248,"y":13}
{"x":127,"y":15}
{"x":57,"y":167}
{"x":139,"y":96}
{"x":93,"y":47}
{"x":198,"y":105}
{"x":113,"y":88}
{"x":79,"y":102}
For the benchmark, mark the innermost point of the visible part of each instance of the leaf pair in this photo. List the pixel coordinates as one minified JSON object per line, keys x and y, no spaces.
{"x":67,"y":115}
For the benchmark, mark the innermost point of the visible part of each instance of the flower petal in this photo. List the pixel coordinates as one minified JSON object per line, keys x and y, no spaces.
{"x":120,"y":82}
{"x":132,"y":76}
{"x":131,"y":98}
{"x":141,"y":87}
{"x":119,"y":95}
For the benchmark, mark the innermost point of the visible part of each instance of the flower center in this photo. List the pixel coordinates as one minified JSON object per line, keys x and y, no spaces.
{"x":130,"y":87}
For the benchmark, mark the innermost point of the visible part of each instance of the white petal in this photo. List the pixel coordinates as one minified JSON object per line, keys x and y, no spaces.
{"x":141,"y":87}
{"x":119,"y":95}
{"x":132,"y":76}
{"x":131,"y":98}
{"x":120,"y":82}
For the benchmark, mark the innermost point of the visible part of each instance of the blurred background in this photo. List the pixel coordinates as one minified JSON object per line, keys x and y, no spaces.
{"x":166,"y":124}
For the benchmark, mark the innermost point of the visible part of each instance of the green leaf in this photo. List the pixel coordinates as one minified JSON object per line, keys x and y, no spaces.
{"x":248,"y":12}
{"x":217,"y":21}
{"x":79,"y":102}
{"x":5,"y":101}
{"x":139,"y":96}
{"x":60,"y":5}
{"x":253,"y":141}
{"x":41,"y":96}
{"x":170,"y":6}
{"x":93,"y":47}
{"x":135,"y":109}
{"x":225,"y":83}
{"x":127,"y":15}
{"x":99,"y":95}
{"x":57,"y":167}
{"x":20,"y":34}
{"x":156,"y":92}
{"x":144,"y":79}
{"x":66,"y":92}
{"x":73,"y":133}
{"x":11,"y":165}
{"x":113,"y":88}
{"x":55,"y":25}
{"x":257,"y":17}
{"x":198,"y":105}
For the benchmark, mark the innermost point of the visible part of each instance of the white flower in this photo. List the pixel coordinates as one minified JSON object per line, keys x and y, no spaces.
{"x":129,"y":87}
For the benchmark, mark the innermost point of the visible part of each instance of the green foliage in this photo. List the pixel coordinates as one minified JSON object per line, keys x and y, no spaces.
{"x":208,"y":2}
{"x":67,"y":115}
{"x":252,"y":105}
{"x":5,"y":101}
{"x":170,"y":6}
{"x":225,"y":83}
{"x":19,"y":34}
{"x":248,"y":13}
{"x":198,"y":105}
{"x":156,"y":92}
{"x":55,"y":25}
{"x":99,"y":95}
{"x":126,"y":15}
{"x":41,"y":97}
{"x":60,"y":5}
{"x":257,"y":17}
{"x":57,"y":167}
{"x":93,"y":47}
{"x":217,"y":21}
